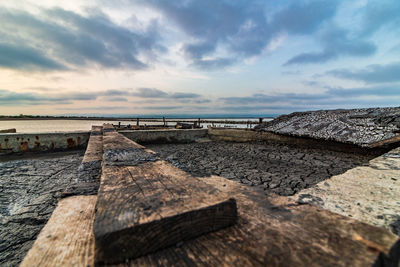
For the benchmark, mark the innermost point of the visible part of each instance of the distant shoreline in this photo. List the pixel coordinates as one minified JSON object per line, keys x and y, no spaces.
{"x":126,"y":119}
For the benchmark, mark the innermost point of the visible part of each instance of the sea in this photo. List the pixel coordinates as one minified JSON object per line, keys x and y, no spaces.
{"x":52,"y":126}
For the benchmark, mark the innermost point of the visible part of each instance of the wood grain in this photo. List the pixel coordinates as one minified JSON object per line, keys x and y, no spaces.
{"x":276,"y":231}
{"x":145,"y":204}
{"x":271,"y":231}
{"x":67,"y":238}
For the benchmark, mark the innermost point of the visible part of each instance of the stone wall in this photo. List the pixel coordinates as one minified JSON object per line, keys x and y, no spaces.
{"x":42,"y":142}
{"x":165,"y":136}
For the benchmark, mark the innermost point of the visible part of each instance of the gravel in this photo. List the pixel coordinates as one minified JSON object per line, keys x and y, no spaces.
{"x":362,"y":127}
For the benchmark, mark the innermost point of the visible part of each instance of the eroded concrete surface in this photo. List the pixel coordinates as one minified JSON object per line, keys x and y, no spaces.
{"x":278,"y":168}
{"x":370,"y":194}
{"x":363,"y":127}
{"x":28,"y":195}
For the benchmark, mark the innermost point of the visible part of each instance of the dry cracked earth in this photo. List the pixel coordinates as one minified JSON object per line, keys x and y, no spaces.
{"x":28,"y":195}
{"x":29,"y":187}
{"x":278,"y":168}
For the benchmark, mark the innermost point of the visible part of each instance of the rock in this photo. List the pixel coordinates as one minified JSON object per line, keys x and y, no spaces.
{"x":362,"y":127}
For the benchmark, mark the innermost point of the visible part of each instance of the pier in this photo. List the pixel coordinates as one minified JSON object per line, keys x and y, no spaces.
{"x":134,"y":206}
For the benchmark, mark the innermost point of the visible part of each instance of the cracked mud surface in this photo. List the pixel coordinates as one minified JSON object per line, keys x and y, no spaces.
{"x":28,"y":195}
{"x":278,"y":168}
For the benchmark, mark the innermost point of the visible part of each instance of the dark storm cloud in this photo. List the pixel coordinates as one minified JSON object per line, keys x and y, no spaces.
{"x":241,"y":26}
{"x":371,"y":74}
{"x":57,"y":38}
{"x":336,"y":42}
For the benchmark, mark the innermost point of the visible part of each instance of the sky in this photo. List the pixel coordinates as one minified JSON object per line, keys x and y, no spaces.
{"x":232,"y":57}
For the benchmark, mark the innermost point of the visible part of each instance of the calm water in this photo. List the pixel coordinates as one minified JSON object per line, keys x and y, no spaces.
{"x":48,"y":126}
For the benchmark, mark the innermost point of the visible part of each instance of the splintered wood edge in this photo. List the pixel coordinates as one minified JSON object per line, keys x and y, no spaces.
{"x":67,"y":239}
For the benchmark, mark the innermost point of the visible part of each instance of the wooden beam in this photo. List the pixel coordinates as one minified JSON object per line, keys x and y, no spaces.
{"x":89,"y":172}
{"x":276,"y":231}
{"x":67,"y":238}
{"x":146,"y":204}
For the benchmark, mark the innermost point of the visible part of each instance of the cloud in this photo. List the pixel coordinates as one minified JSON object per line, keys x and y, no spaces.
{"x":379,"y":14}
{"x":156,"y":93}
{"x":393,"y":90}
{"x":26,"y":58}
{"x":115,"y":92}
{"x":101,"y":108}
{"x":162,"y":107}
{"x":149,"y":93}
{"x":387,"y":95}
{"x":336,"y":42}
{"x":240,"y":28}
{"x":58,"y":39}
{"x":184,"y":95}
{"x":371,"y":74}
{"x":10,"y":98}
{"x":116,"y":99}
{"x":304,"y":17}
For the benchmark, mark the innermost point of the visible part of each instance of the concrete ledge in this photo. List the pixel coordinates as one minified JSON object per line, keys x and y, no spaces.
{"x":42,"y":142}
{"x":370,"y":194}
{"x":165,"y":136}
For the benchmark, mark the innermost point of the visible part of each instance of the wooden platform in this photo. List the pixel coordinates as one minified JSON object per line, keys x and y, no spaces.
{"x":270,"y":230}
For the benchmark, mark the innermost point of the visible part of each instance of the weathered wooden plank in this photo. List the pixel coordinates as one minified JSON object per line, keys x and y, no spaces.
{"x":88,"y":180}
{"x":271,"y":231}
{"x":145,"y":204}
{"x":94,"y":150}
{"x":276,"y":231}
{"x":67,"y":238}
